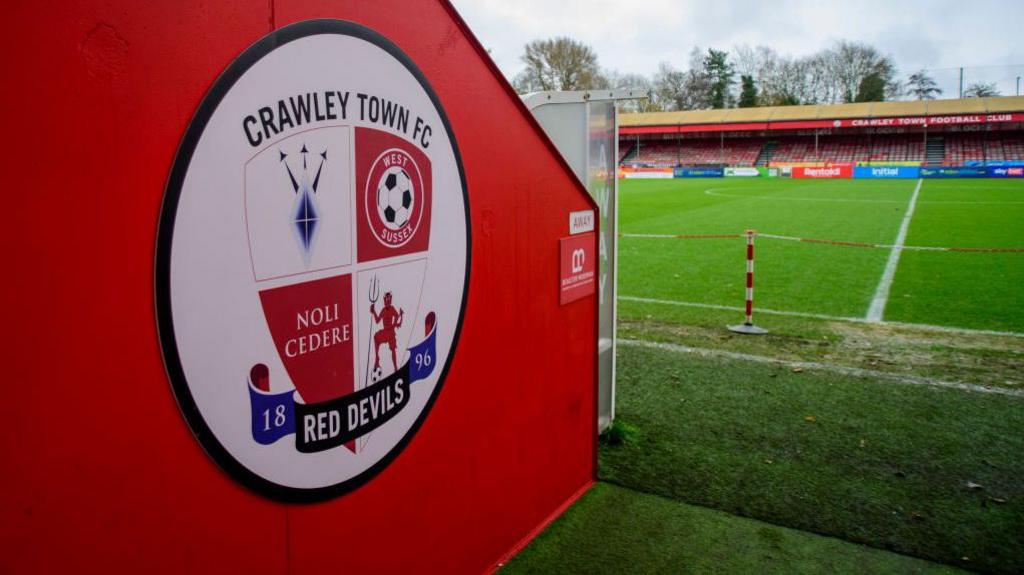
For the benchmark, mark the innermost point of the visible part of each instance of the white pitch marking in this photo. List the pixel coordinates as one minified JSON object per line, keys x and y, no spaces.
{"x":877,"y":308}
{"x":841,"y":369}
{"x":920,"y":326}
{"x":716,"y":192}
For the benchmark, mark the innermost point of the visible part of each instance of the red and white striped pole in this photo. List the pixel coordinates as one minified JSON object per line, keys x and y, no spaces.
{"x":748,"y":326}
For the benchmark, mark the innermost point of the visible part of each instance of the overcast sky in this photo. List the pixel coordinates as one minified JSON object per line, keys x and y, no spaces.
{"x":635,"y":35}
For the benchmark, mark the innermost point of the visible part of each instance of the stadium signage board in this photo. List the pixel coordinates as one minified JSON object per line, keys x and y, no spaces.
{"x":699,"y":172}
{"x":313,"y":260}
{"x":1005,"y":171}
{"x":742,"y":172}
{"x":581,"y":221}
{"x":826,"y":172}
{"x":886,"y":172}
{"x":953,"y":172}
{"x":577,"y":276}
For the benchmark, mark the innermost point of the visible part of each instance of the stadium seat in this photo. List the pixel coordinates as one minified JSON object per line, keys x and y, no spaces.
{"x":960,"y":147}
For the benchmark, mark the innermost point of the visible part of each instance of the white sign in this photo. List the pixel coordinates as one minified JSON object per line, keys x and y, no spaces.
{"x":742,"y":172}
{"x":580,"y":222}
{"x":313,"y":260}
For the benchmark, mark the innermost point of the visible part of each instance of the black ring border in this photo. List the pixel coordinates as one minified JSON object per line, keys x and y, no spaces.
{"x":165,"y":233}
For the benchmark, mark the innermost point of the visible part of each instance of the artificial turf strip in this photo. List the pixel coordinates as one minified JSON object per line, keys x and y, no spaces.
{"x":928,"y":472}
{"x":617,"y":530}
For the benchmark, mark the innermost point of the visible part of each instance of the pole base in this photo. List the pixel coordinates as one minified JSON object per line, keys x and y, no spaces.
{"x":748,"y":329}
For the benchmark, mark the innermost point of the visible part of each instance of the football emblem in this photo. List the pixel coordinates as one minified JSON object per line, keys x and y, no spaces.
{"x":397,"y":197}
{"x":394,"y":197}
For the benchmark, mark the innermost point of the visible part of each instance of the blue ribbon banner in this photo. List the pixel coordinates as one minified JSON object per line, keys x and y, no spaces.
{"x":325,"y":425}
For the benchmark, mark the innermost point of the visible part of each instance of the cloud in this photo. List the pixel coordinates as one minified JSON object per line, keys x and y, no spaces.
{"x":634,"y":36}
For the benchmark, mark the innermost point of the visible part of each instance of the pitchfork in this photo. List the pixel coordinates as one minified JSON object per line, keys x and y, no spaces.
{"x":374,"y":295}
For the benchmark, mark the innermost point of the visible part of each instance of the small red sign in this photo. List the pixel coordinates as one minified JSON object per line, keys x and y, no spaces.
{"x":578,"y":268}
{"x":831,"y":171}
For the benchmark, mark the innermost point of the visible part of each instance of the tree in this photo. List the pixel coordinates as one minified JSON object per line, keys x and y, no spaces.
{"x":981,"y":90}
{"x":921,"y":86}
{"x":669,"y":87}
{"x":676,"y":89}
{"x":786,"y":100}
{"x":852,"y":62}
{"x":871,"y":89}
{"x":635,"y":81}
{"x":748,"y":92}
{"x":559,"y":64}
{"x":720,"y":75}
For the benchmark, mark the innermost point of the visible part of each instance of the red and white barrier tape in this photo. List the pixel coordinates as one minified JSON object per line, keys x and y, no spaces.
{"x":824,"y":242}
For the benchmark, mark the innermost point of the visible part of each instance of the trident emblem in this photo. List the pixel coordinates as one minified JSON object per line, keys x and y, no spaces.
{"x":373,"y":294}
{"x":305,"y":211}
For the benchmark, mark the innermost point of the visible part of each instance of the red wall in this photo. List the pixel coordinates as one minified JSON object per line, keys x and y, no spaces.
{"x":100,"y":471}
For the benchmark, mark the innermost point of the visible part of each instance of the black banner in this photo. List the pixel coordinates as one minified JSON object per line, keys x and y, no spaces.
{"x":321,"y":426}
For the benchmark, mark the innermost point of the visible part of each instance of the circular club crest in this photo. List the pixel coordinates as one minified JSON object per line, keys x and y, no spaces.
{"x":313,"y":219}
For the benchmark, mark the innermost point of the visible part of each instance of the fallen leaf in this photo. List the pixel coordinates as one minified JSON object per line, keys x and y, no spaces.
{"x":810,"y":419}
{"x":998,"y":500}
{"x":973,"y":486}
{"x":798,"y":370}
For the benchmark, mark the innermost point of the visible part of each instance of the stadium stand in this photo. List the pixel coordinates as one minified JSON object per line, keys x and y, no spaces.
{"x":850,"y":149}
{"x":940,"y":132}
{"x":625,"y":149}
{"x":695,"y":152}
{"x":963,"y":148}
{"x":1003,"y":147}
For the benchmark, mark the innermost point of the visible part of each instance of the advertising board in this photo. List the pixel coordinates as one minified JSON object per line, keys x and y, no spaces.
{"x":1005,"y":172}
{"x":829,"y":172}
{"x":742,"y":172}
{"x":645,"y":173}
{"x":698,"y":173}
{"x":886,"y":172}
{"x":953,"y":172}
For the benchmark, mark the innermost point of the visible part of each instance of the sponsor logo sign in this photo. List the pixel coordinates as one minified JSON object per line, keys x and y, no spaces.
{"x":312,"y":260}
{"x":577,"y":268}
{"x":699,"y":172}
{"x":1005,"y":172}
{"x":742,"y":173}
{"x":646,"y":173}
{"x":953,"y":172}
{"x":886,"y":172}
{"x":838,"y":171}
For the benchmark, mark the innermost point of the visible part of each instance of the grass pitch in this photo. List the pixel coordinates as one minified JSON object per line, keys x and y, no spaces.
{"x":904,"y":435}
{"x":975,"y":290}
{"x":615,"y":530}
{"x":924,"y":471}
